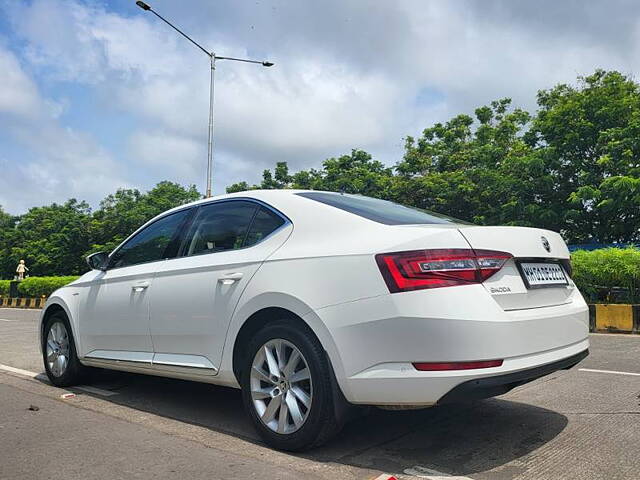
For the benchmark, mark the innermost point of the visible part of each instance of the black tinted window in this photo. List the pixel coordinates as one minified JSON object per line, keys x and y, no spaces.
{"x":220,"y":226}
{"x":150,"y":244}
{"x":263,"y":224}
{"x":381,"y":211}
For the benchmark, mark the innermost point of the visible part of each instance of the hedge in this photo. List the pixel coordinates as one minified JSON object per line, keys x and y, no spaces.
{"x":39,"y":286}
{"x":610,"y":275}
{"x":4,"y":287}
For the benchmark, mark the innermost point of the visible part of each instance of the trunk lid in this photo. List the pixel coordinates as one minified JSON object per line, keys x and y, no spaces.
{"x":507,"y":287}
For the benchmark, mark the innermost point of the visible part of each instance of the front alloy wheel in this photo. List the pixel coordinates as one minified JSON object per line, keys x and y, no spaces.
{"x":281,"y":386}
{"x":57,"y":349}
{"x":59,"y":352}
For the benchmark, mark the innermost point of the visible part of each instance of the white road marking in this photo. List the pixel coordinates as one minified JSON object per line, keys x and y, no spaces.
{"x":614,"y":372}
{"x":6,"y":320}
{"x":19,"y":371}
{"x":96,"y":391}
{"x":619,"y":335}
{"x":84,"y":388}
{"x":430,"y":474}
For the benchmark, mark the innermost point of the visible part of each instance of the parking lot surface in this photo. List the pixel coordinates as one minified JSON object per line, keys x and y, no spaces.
{"x":578,"y":424}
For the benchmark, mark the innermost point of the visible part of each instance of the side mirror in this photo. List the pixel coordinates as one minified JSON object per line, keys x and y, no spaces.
{"x":98,"y":261}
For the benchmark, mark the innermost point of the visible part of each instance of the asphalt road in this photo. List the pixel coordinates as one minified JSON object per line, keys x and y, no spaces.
{"x":575,"y":424}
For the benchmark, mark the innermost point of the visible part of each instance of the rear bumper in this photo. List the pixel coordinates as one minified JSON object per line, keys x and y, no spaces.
{"x":375,"y":341}
{"x":500,"y":384}
{"x":400,"y":384}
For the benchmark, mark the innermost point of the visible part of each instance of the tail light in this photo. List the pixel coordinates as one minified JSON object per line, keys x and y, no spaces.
{"x":418,"y":269}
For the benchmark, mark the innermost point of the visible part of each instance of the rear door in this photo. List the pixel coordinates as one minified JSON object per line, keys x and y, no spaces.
{"x":537,"y":276}
{"x":195,"y":294}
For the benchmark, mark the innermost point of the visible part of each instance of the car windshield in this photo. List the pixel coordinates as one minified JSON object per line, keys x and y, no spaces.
{"x":381,"y":211}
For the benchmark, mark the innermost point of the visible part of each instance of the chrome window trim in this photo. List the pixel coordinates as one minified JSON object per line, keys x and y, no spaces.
{"x":286,"y":219}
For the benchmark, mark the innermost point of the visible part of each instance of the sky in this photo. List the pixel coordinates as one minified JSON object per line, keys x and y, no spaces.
{"x":97,"y":95}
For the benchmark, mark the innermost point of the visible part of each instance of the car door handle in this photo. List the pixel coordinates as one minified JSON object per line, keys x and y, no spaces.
{"x":230,"y":278}
{"x":139,"y":287}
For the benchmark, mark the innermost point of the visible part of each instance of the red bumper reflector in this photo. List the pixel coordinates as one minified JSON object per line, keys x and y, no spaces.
{"x":439,"y":366}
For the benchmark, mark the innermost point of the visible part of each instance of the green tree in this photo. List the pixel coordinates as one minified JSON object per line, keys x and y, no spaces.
{"x":280,"y":178}
{"x":478,"y":169}
{"x":240,"y":187}
{"x":574,"y":167}
{"x":589,"y":135}
{"x":123,"y":212}
{"x":7,"y":227}
{"x":52,"y":239}
{"x":356,"y":172}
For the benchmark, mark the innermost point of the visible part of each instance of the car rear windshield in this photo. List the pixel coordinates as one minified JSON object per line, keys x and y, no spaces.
{"x":381,"y":211}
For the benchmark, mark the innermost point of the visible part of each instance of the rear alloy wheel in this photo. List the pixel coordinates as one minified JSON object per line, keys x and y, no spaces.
{"x":287,"y":389}
{"x":281,"y":386}
{"x":59,"y":352}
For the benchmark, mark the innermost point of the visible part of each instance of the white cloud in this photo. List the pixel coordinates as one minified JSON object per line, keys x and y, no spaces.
{"x":179,"y":156}
{"x":54,"y":162}
{"x":348,"y":75}
{"x":18,"y":94}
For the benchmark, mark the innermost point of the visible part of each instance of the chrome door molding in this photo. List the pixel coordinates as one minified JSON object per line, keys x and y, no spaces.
{"x":159,"y":362}
{"x":192,"y":364}
{"x":120,"y":358}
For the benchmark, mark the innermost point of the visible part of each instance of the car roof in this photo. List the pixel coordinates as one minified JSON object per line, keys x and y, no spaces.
{"x":288,"y":203}
{"x":264,"y":195}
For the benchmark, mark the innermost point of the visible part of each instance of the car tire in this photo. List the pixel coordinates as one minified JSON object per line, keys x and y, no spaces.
{"x":290,"y":390}
{"x":59,"y":352}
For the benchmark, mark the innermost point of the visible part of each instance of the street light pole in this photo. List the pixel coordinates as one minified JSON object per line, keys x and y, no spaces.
{"x":212,"y":58}
{"x":210,"y":141}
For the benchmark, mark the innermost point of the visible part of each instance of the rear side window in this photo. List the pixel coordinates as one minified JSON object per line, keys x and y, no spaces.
{"x":264,"y":223}
{"x":150,"y":244}
{"x":221,"y":226}
{"x":381,"y":211}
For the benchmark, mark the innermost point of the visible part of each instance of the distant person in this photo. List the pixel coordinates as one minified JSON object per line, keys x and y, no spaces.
{"x":21,"y":270}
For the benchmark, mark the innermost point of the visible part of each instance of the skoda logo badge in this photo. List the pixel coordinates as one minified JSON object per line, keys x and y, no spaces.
{"x":545,"y":244}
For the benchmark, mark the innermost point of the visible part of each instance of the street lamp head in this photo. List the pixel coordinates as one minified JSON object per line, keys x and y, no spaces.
{"x":143,"y":5}
{"x":267,"y":64}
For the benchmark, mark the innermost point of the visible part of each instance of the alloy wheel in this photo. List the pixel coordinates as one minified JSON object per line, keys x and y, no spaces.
{"x":58,"y":349}
{"x":281,"y":386}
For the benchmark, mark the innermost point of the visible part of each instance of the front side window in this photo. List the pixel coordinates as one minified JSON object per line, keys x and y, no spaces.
{"x":151,"y":243}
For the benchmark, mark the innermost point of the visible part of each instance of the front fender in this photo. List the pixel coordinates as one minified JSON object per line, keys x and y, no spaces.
{"x":66,"y":298}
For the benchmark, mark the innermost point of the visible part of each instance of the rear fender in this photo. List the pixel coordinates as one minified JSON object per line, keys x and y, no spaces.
{"x":286,"y":302}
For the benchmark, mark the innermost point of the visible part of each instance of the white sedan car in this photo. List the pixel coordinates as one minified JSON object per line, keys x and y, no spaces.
{"x":311,"y":302}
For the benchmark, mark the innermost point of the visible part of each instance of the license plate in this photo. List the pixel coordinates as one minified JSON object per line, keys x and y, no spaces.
{"x":542,"y":274}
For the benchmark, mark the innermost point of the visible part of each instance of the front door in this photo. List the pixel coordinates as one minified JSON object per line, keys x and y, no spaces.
{"x":194,"y":295}
{"x":114,"y":314}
